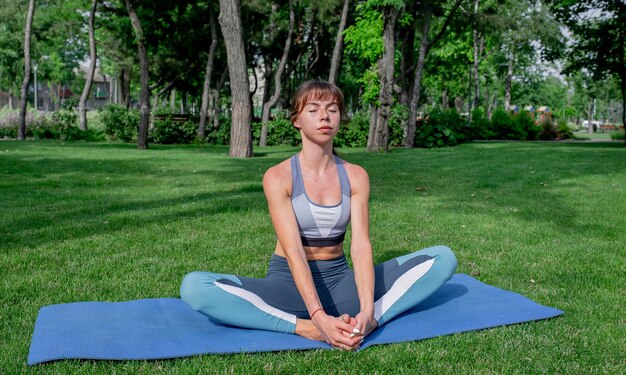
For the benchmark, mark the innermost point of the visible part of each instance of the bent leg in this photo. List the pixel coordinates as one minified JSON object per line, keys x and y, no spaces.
{"x":225,"y":299}
{"x":404,"y":282}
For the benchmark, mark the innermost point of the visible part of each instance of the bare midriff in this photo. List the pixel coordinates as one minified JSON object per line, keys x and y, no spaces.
{"x":316,"y":253}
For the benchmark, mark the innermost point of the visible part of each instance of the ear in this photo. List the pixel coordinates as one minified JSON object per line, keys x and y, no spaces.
{"x":296,"y":125}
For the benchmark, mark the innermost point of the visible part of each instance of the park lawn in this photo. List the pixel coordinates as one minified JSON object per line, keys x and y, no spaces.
{"x":106,"y":222}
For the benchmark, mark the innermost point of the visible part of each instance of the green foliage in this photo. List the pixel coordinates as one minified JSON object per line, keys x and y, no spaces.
{"x":280,"y":131}
{"x":354,"y":133}
{"x":221,"y":135}
{"x":618,"y":135}
{"x":548,"y":130}
{"x":397,"y":125}
{"x":480,"y":128}
{"x":525,"y":121}
{"x":504,"y":127}
{"x":364,"y":38}
{"x":441,"y":129}
{"x":120,"y":123}
{"x":169,"y":130}
{"x":563,"y":131}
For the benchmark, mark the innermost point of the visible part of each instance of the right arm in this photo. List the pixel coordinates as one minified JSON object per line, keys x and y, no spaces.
{"x":276,"y":182}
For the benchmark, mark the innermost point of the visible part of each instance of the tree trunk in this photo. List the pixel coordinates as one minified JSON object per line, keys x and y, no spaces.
{"x":125,"y":77}
{"x":144,"y":92}
{"x":409,"y":139}
{"x":476,"y":39}
{"x":590,"y":117}
{"x":508,"y":81}
{"x":230,"y":22}
{"x":337,"y":51}
{"x":206,"y":89}
{"x":21,"y":131}
{"x":385,"y":73}
{"x":82,"y":104}
{"x":267,"y":107}
{"x":372,"y":129}
{"x":623,"y":82}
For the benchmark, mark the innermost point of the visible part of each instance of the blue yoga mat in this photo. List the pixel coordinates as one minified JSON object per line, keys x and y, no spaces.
{"x":168,"y":328}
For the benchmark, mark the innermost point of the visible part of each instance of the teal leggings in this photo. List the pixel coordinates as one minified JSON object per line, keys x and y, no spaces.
{"x":273,"y":303}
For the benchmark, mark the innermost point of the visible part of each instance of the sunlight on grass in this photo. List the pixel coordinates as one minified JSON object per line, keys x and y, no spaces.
{"x":106,"y":222}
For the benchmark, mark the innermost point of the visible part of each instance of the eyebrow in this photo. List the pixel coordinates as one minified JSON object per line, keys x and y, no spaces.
{"x":316,"y":104}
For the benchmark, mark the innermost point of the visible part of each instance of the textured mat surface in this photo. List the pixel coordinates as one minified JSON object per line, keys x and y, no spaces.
{"x":168,"y":328}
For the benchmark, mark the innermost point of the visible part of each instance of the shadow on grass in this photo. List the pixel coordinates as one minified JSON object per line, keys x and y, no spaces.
{"x":54,"y":188}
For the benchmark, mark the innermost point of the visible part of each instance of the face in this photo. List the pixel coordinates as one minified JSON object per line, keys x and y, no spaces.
{"x":319,"y":118}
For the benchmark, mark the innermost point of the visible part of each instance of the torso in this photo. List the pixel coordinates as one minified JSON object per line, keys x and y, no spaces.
{"x":326,"y":196}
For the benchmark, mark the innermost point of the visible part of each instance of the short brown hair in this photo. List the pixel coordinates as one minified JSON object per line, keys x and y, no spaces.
{"x":316,"y":90}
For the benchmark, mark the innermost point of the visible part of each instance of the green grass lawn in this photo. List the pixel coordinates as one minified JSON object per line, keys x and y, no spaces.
{"x":105,"y":222}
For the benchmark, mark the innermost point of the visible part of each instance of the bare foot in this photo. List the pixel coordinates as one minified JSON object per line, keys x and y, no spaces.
{"x":306,"y":328}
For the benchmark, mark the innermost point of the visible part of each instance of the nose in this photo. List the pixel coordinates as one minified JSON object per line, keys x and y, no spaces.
{"x":324,"y":114}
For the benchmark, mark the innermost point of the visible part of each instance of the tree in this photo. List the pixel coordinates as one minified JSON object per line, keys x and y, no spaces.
{"x":267,"y":107}
{"x":386,"y":64}
{"x":21,"y":132}
{"x":82,"y":109}
{"x":599,"y":39}
{"x":230,"y":22}
{"x":338,"y":50}
{"x":144,"y":95}
{"x":206,"y":88}
{"x":427,"y":10}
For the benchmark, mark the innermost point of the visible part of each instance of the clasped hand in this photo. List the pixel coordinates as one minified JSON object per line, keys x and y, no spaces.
{"x":345,"y":332}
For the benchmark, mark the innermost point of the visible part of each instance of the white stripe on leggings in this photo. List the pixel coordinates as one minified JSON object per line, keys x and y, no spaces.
{"x":257,"y":302}
{"x":400,"y":287}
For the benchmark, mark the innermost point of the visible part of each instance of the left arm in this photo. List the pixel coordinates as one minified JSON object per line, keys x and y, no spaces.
{"x":361,"y":248}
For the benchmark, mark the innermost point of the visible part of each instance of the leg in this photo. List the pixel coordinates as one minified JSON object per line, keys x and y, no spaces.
{"x":225,"y":299}
{"x":404,"y":282}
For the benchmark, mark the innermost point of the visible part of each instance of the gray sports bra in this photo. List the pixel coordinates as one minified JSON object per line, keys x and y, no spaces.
{"x":320,"y":225}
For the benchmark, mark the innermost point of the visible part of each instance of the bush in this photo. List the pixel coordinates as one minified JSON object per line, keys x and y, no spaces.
{"x":504,"y":127}
{"x":524,"y":120}
{"x":441,"y":129}
{"x":38,"y":125}
{"x":397,"y":125}
{"x":480,"y":128}
{"x":119,"y":123}
{"x":563,"y":131}
{"x":280,"y":131}
{"x":618,"y":135}
{"x":548,"y":130}
{"x":168,"y":130}
{"x":354,"y":133}
{"x":221,"y":134}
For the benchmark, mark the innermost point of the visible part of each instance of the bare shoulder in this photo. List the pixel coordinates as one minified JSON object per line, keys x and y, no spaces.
{"x":278,"y":178}
{"x":359,"y":179}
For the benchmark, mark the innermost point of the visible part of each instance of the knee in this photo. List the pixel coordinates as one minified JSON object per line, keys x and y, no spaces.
{"x":445,"y":256}
{"x":191,"y":287}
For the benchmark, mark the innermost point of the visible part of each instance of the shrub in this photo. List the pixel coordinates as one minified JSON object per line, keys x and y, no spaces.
{"x":168,"y":130}
{"x":280,"y":131}
{"x":441,"y":129}
{"x":397,"y":125}
{"x":354,"y":133}
{"x":38,"y":125}
{"x":524,"y":121}
{"x":221,"y":134}
{"x":119,"y":123}
{"x":618,"y":135}
{"x":479,"y":128}
{"x":548,"y":130}
{"x":563,"y":131}
{"x":504,"y":127}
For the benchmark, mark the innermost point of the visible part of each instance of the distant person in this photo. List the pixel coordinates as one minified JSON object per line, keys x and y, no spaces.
{"x":309,"y":289}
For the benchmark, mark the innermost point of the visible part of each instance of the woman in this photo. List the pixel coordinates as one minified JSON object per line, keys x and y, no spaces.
{"x":309,"y":289}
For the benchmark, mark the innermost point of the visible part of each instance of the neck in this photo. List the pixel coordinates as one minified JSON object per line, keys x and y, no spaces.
{"x":317,"y":158}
